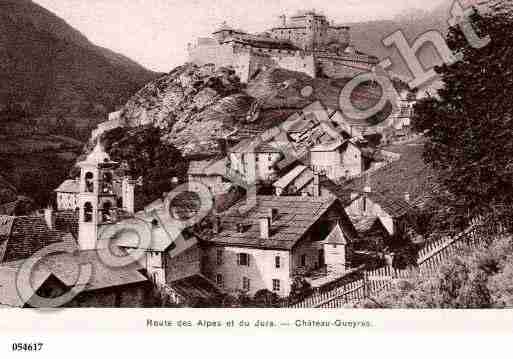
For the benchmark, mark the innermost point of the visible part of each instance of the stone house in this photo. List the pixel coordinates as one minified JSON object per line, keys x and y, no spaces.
{"x":211,"y":173}
{"x":337,"y":159}
{"x":253,"y":163}
{"x":276,"y":240}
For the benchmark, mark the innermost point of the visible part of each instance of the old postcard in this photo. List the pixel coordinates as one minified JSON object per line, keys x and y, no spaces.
{"x":273,"y":156}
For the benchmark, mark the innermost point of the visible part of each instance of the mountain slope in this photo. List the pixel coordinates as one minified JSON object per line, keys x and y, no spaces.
{"x":54,"y":70}
{"x":368,"y":36}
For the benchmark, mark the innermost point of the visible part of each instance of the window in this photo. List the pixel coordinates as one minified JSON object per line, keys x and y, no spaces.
{"x":246,"y":285}
{"x":334,"y":246}
{"x":219,"y":257}
{"x":303,"y":260}
{"x":277,"y":262}
{"x":276,"y":285}
{"x":88,"y":212}
{"x":243,"y":259}
{"x":89,"y":183}
{"x":220,"y":280}
{"x":106,"y":212}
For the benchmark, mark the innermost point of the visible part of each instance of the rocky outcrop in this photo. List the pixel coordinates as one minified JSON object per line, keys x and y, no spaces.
{"x":195,"y":105}
{"x":191,"y":105}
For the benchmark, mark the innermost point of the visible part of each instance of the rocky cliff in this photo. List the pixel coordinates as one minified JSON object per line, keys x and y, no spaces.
{"x":193,"y":106}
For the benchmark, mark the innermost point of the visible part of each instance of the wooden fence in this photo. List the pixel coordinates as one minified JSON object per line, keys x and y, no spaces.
{"x":430,"y":258}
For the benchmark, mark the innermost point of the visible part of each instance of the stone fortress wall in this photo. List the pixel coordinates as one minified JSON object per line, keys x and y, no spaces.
{"x":307,"y":43}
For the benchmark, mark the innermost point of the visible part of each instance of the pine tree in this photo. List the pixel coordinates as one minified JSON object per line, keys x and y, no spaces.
{"x":469,"y":126}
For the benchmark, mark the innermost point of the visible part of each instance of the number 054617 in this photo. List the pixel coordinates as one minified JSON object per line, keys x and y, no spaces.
{"x":27,"y":347}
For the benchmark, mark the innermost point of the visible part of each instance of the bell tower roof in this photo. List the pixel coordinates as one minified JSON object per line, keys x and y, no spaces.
{"x":98,"y":157}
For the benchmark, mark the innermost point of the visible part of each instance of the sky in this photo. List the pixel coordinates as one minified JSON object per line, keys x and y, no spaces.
{"x":155,"y":33}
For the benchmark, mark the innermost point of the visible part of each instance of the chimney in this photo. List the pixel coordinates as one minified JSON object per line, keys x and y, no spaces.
{"x":407,"y":197}
{"x":49,"y":217}
{"x":283,"y":20}
{"x":367,"y":189}
{"x":128,"y":194}
{"x":265,"y":227}
{"x":273,"y":214}
{"x":317,"y":185}
{"x":216,"y":225}
{"x":222,"y":143}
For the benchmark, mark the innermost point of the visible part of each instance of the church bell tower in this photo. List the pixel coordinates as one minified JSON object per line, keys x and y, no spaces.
{"x":97,"y":199}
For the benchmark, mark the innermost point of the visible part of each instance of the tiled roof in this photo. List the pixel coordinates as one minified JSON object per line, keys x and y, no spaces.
{"x":67,"y":221}
{"x":263,"y":42}
{"x":328,"y":147}
{"x":371,"y":228}
{"x":161,"y":240}
{"x":21,"y":206}
{"x":266,"y":148}
{"x":395,"y":207}
{"x":28,"y":235}
{"x":196,"y":287}
{"x":303,"y":182}
{"x":289,"y":177}
{"x":409,"y":175}
{"x":343,"y":194}
{"x":296,"y":215}
{"x":65,"y":267}
{"x":9,"y":295}
{"x":69,"y":186}
{"x":244,"y":145}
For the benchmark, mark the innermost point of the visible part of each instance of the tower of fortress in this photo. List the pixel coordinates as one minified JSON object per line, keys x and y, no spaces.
{"x":305,"y":42}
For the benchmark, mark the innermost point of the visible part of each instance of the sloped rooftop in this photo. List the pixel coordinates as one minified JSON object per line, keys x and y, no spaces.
{"x":69,"y":186}
{"x":296,"y":215}
{"x":21,"y":237}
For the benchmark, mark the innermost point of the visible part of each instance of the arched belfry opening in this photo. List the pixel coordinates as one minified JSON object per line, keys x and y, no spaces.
{"x":106,"y":212}
{"x":89,"y":182}
{"x":88,"y":212}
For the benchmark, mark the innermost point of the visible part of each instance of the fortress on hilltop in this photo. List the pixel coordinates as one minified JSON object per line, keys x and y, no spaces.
{"x":305,"y":42}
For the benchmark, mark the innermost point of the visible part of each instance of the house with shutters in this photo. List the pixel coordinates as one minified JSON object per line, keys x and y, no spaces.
{"x":266,"y":246}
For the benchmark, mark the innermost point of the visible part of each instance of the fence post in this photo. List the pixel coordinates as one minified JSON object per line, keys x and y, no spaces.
{"x":365,"y":284}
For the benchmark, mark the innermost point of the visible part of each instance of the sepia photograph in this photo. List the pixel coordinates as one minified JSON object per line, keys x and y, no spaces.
{"x":266,"y":155}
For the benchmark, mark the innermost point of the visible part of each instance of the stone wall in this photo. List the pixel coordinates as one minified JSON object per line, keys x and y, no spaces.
{"x":335,"y":69}
{"x":301,"y":63}
{"x":184,"y":265}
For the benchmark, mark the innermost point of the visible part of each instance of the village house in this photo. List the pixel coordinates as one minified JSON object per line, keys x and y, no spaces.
{"x":211,"y":173}
{"x":23,"y":236}
{"x":67,"y":195}
{"x":279,"y":238}
{"x":339,"y":159}
{"x":405,"y":111}
{"x":252,"y":161}
{"x":391,"y":211}
{"x":362,"y":205}
{"x":57,"y":275}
